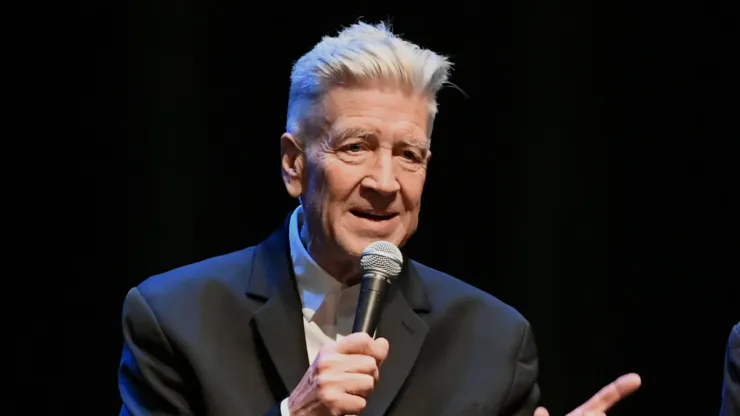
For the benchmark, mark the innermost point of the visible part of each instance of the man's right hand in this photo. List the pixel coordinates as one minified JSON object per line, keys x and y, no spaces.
{"x":341,"y":378}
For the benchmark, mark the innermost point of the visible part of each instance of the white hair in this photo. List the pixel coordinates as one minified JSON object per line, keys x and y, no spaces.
{"x":361,"y":55}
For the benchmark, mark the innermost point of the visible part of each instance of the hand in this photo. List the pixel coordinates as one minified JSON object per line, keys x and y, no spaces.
{"x":604,"y":399}
{"x":341,"y":378}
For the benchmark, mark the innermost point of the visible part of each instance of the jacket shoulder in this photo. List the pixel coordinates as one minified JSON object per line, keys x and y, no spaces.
{"x":180,"y":285}
{"x":447,"y":292}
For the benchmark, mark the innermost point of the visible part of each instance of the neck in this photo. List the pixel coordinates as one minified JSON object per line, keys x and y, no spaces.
{"x":338,"y":264}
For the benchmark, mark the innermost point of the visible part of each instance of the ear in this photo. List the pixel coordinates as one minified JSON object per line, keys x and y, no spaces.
{"x":292,"y":164}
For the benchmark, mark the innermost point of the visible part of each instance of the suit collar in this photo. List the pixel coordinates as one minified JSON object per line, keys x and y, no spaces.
{"x":279,"y":320}
{"x":412,"y":287}
{"x":402,"y":325}
{"x":272,"y":273}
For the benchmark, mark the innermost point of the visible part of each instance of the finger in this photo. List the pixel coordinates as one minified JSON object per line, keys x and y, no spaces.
{"x":350,"y":383}
{"x":541,"y":411}
{"x":356,"y":363}
{"x":348,"y":404}
{"x":380,"y":350}
{"x":610,"y":394}
{"x":357,"y":343}
{"x":358,"y":384}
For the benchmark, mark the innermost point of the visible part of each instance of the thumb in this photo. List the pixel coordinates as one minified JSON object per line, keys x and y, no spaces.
{"x":541,"y":411}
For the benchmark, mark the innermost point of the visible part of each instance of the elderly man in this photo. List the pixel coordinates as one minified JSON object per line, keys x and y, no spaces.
{"x":268,"y":329}
{"x":731,"y":383}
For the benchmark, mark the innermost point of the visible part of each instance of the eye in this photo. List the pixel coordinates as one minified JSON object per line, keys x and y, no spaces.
{"x":354,"y":147}
{"x":411,"y":155}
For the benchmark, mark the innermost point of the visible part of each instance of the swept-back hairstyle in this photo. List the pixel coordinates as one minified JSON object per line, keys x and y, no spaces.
{"x":363,"y":55}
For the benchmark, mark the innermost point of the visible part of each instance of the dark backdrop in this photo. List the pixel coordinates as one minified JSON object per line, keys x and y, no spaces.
{"x":583,"y":175}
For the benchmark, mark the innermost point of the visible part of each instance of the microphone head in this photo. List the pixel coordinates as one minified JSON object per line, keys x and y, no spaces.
{"x":383,"y":257}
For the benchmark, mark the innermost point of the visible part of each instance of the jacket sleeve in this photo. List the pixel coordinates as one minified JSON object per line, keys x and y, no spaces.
{"x":524,"y":392}
{"x":731,"y":383}
{"x":149,"y":380}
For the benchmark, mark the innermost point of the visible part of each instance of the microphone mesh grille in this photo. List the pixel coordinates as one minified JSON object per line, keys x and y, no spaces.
{"x":382,"y":256}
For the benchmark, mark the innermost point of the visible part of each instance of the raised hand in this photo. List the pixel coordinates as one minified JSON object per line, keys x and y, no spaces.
{"x":340,"y":378}
{"x":607,"y":397}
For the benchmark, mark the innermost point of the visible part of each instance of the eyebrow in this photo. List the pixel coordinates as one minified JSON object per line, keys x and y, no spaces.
{"x":416,"y":142}
{"x":358,"y":132}
{"x":365,"y":133}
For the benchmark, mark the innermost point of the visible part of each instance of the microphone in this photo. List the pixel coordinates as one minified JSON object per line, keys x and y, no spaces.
{"x":381,"y":263}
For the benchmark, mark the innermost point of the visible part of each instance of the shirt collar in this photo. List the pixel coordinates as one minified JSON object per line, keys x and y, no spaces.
{"x":314,"y":283}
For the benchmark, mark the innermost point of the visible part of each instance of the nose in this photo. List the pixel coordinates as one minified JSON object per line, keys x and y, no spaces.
{"x":382,"y":177}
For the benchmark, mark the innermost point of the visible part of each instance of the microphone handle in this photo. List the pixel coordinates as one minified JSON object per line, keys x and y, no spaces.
{"x":372,"y":294}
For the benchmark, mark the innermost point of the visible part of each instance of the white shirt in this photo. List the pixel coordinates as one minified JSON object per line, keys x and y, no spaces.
{"x":328,"y":305}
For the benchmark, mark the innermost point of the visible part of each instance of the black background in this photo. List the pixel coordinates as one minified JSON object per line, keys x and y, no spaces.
{"x":583,"y":175}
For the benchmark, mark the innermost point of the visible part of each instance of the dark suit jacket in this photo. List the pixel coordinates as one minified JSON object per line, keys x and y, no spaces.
{"x":225,"y":337}
{"x":731,"y":385}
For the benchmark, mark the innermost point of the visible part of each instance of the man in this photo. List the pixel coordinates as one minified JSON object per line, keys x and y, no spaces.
{"x":267,"y":330}
{"x":731,"y":384}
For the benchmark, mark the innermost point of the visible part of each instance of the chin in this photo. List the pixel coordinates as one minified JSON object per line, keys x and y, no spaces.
{"x":358,"y":244}
{"x":355,"y":247}
{"x":353,"y":239}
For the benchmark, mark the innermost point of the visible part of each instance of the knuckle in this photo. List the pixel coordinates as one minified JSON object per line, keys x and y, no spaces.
{"x":327,"y":396}
{"x":322,"y":366}
{"x":370,"y":363}
{"x":366,"y":384}
{"x":323,"y":382}
{"x":325,"y":362}
{"x":361,"y":403}
{"x":327,"y":349}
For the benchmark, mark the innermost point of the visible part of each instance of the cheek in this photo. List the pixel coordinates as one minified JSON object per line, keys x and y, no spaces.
{"x":341,"y":181}
{"x":318,"y":184}
{"x":412,"y":189}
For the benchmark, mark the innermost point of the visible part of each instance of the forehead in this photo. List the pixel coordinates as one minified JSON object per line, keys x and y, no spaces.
{"x":385,"y":111}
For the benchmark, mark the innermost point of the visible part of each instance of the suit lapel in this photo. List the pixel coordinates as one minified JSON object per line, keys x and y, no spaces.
{"x":405,"y":331}
{"x":279,"y":320}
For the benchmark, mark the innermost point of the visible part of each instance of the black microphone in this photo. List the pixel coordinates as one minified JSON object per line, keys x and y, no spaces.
{"x":381,"y":263}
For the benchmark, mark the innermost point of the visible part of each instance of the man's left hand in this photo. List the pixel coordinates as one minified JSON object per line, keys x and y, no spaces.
{"x":604,"y":399}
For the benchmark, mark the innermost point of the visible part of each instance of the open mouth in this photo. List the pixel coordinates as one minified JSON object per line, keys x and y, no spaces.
{"x":374,"y":216}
